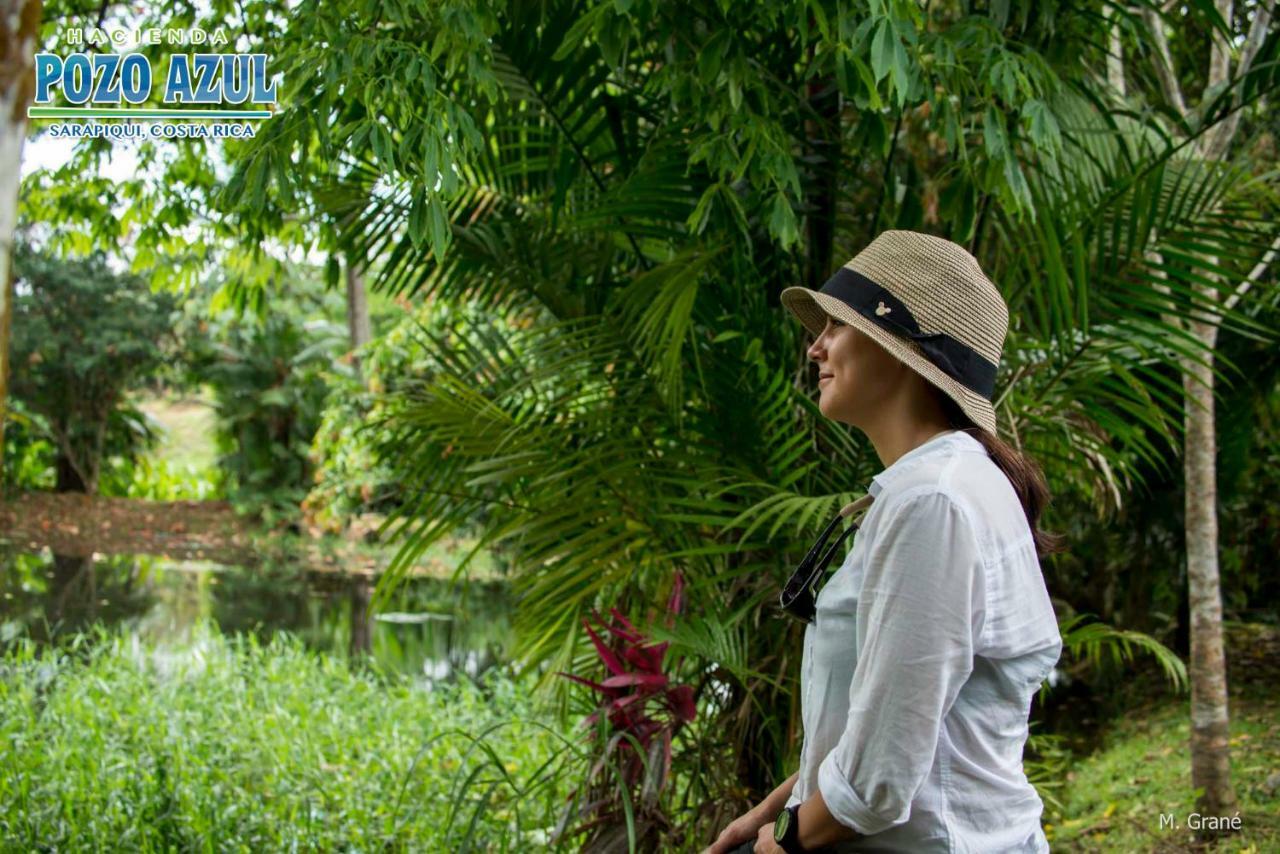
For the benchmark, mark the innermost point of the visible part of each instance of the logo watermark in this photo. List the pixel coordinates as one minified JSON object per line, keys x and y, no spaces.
{"x":196,"y":88}
{"x":1196,"y":821}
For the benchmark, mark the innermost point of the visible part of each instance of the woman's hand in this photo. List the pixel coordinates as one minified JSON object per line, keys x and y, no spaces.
{"x":765,"y":843}
{"x":744,"y":828}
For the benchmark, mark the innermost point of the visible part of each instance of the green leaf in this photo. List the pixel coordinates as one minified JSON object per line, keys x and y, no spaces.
{"x":383,"y":148}
{"x":901,"y":72}
{"x":1003,"y":78}
{"x":782,"y":221}
{"x":439,"y":225}
{"x":882,"y":53}
{"x":332,"y":271}
{"x":735,"y":93}
{"x":697,"y":220}
{"x":1042,"y":126}
{"x":870,"y":86}
{"x":577,"y":34}
{"x":418,"y":224}
{"x":712,"y":56}
{"x":993,"y":134}
{"x":612,"y":39}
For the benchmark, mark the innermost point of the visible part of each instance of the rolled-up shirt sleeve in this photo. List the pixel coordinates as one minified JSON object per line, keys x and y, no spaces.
{"x":919,"y":611}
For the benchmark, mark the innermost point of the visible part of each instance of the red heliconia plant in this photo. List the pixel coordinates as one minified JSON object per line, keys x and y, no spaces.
{"x":644,"y":710}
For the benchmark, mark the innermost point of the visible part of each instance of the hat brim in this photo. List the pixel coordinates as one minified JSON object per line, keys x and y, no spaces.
{"x":813,"y":308}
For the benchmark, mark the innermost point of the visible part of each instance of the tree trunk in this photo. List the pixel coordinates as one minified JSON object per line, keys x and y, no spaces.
{"x":360,"y":593}
{"x":1210,"y":753}
{"x":19,"y":26}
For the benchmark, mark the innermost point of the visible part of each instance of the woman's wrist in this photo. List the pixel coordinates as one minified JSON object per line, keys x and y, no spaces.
{"x":774,"y":802}
{"x":766,"y":810}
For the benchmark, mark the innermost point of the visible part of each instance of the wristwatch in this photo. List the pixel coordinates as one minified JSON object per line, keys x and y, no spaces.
{"x":786,"y":830}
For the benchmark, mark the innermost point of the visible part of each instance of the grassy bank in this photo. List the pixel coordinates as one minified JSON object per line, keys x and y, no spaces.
{"x":235,"y":746}
{"x":1114,"y":798}
{"x":226,"y":744}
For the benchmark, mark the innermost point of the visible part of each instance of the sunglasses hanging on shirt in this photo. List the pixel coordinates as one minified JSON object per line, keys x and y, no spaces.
{"x":798,"y":598}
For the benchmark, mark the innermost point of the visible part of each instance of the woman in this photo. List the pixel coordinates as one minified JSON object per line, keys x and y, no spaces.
{"x":930,"y":640}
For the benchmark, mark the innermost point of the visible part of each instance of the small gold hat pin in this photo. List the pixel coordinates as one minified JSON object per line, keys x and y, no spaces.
{"x":882,"y":310}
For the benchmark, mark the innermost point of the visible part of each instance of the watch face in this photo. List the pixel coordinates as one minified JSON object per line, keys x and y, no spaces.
{"x":780,"y":825}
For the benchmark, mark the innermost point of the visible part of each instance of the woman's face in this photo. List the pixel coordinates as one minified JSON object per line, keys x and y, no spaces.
{"x":856,"y":376}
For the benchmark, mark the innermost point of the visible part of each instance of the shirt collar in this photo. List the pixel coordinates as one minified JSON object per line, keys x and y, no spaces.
{"x":948,"y":442}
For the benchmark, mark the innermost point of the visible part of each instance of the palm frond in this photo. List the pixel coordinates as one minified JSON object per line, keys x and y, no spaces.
{"x":1098,"y":643}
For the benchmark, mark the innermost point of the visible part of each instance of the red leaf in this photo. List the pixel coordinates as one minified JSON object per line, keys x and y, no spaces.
{"x":675,"y":604}
{"x":647,"y":658}
{"x":632,"y":633}
{"x":610,"y":659}
{"x":623,"y":702}
{"x":629,"y":638}
{"x":650,"y":680}
{"x":682,"y":704}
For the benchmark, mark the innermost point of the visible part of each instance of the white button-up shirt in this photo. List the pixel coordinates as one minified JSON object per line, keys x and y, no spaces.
{"x":918,"y":672}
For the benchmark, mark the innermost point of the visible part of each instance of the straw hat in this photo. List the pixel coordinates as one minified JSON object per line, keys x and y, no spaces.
{"x":926,"y":301}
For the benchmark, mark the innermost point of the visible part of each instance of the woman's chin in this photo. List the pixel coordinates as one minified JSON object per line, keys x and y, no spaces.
{"x":834,"y":409}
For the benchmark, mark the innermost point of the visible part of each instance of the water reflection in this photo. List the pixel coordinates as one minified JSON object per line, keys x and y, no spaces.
{"x":429,"y":629}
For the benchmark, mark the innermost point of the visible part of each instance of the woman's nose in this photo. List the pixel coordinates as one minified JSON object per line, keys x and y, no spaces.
{"x":815,"y":349}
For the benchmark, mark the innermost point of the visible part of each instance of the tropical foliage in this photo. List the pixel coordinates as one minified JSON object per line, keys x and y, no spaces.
{"x":629,"y":186}
{"x":267,"y":374}
{"x":84,"y":336}
{"x":587,"y":212}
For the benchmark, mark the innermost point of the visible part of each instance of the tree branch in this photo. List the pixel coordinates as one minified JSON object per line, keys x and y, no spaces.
{"x":1254,"y":275}
{"x":1115,"y":57}
{"x":63,"y":440}
{"x":1164,"y":63}
{"x":1220,"y":138}
{"x":1253,"y":42}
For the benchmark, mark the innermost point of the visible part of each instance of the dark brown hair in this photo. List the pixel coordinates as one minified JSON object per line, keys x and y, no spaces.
{"x":1023,"y":473}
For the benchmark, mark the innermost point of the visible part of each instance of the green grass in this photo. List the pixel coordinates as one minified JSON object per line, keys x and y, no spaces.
{"x":230,"y":745}
{"x":189,"y":426}
{"x":1114,"y":797}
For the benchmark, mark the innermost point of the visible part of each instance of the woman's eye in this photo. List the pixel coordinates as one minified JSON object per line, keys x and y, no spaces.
{"x":835,"y":322}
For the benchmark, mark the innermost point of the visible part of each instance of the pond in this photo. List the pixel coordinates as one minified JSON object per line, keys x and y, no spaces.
{"x":430,"y":630}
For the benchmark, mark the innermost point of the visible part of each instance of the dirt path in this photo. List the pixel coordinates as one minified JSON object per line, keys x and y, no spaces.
{"x":78,"y":525}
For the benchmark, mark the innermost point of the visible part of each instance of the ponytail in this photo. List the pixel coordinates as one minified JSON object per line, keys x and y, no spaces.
{"x":1023,"y":473}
